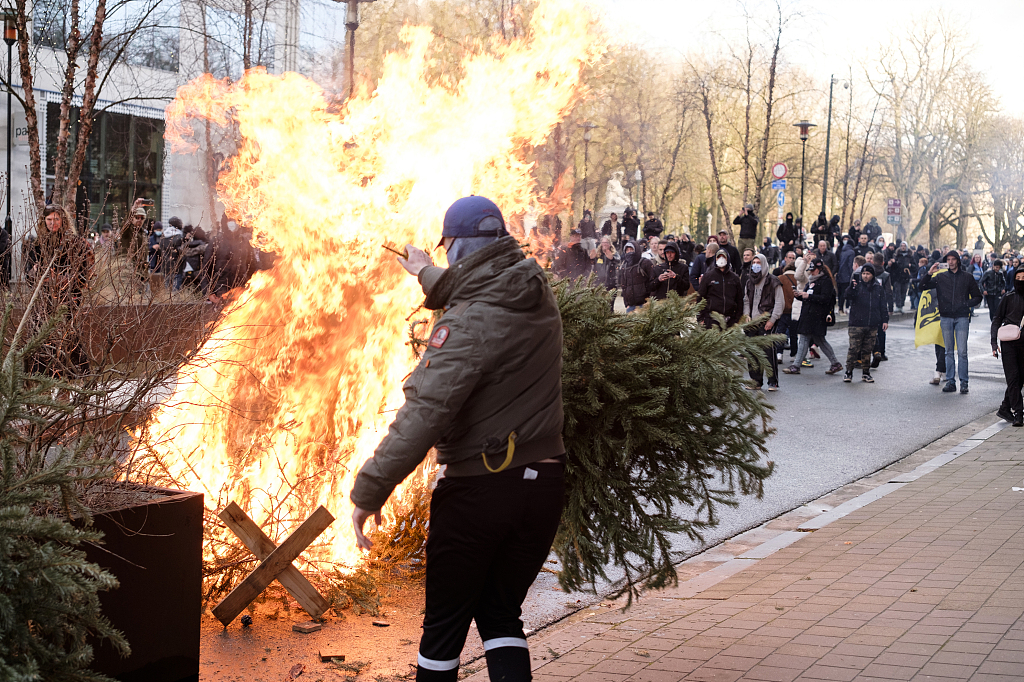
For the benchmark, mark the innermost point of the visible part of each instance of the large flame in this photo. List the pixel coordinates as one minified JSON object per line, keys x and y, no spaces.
{"x":304,"y":371}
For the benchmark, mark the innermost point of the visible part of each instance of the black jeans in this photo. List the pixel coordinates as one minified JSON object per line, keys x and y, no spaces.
{"x":794,"y":336}
{"x":489,"y":537}
{"x":843,"y":288}
{"x":899,"y":292}
{"x":880,"y":340}
{"x":1013,"y":370}
{"x":773,"y":363}
{"x":992,"y":301}
{"x":940,"y":359}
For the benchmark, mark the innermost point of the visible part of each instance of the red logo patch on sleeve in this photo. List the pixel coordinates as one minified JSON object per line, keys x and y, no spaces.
{"x":438,"y":338}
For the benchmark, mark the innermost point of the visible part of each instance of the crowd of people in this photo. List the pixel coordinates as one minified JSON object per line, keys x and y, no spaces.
{"x":182,"y":256}
{"x":802,"y":281}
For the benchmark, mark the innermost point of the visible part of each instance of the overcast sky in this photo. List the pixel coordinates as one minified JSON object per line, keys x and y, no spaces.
{"x":834,"y":35}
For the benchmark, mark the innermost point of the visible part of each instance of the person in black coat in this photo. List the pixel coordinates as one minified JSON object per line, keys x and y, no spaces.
{"x":868,"y":313}
{"x":633,"y":277}
{"x":652,"y":226}
{"x":835,"y":232}
{"x":722,"y":290}
{"x":956,"y":293}
{"x":571,"y":261}
{"x":1011,"y":311}
{"x":630,"y":224}
{"x":672,"y":275}
{"x":819,"y":228}
{"x":787,"y":235}
{"x":819,"y":301}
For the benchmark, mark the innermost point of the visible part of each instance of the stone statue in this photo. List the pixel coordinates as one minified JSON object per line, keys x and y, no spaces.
{"x":616,"y":199}
{"x":615,"y":195}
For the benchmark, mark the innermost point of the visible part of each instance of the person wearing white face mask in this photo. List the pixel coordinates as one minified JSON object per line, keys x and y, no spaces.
{"x":722,"y":290}
{"x":763,"y":295}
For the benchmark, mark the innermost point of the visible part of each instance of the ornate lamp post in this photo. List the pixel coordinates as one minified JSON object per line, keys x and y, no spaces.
{"x":805,"y":132}
{"x":588,"y":134}
{"x":638,"y":178}
{"x":351,"y":24}
{"x":10,"y":37}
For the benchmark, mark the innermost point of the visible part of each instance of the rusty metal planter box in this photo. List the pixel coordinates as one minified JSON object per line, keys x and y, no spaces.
{"x":155,"y":551}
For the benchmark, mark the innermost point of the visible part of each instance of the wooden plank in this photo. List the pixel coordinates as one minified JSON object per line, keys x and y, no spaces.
{"x":240,"y":597}
{"x":262,"y":546}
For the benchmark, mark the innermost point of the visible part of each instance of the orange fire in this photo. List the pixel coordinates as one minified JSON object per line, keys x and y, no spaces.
{"x":304,"y":370}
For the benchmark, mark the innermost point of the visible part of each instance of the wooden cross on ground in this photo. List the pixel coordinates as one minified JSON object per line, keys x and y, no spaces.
{"x":275,"y":563}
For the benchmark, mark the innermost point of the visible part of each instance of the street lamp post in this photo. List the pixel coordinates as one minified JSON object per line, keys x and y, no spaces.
{"x":351,"y":24}
{"x":10,"y":37}
{"x":588,"y":134}
{"x":828,"y":139}
{"x":805,"y":132}
{"x":638,"y":178}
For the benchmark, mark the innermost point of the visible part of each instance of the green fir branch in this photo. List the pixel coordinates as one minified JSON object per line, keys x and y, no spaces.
{"x":659,"y":433}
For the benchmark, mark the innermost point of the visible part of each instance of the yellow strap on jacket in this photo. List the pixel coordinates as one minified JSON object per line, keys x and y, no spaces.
{"x":508,"y":455}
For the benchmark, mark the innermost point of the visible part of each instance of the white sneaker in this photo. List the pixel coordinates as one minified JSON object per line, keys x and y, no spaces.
{"x":937,"y":379}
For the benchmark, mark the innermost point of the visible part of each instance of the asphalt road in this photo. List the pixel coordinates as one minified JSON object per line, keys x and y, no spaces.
{"x":829,"y":433}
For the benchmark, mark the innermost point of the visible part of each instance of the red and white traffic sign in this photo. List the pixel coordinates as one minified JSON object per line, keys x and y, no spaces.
{"x":779,"y":170}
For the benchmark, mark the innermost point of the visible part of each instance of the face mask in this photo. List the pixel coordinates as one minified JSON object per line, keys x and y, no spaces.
{"x":158,"y":233}
{"x":720,"y":262}
{"x":755,"y":268}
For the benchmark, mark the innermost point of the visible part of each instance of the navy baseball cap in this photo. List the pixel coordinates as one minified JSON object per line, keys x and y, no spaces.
{"x":473,"y":216}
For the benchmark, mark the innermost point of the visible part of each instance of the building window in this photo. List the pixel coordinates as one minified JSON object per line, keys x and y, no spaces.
{"x":123,"y":162}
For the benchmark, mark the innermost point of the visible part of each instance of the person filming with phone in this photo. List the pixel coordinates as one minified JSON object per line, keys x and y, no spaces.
{"x":672,"y":275}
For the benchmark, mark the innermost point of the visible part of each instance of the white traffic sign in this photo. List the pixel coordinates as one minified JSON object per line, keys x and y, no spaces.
{"x":779,"y":170}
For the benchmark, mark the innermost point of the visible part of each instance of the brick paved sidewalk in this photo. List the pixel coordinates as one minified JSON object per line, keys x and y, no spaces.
{"x":926,"y":583}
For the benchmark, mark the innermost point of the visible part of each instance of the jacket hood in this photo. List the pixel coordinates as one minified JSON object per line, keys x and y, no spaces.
{"x":498,"y":274}
{"x":671,"y":246}
{"x":763,"y":260}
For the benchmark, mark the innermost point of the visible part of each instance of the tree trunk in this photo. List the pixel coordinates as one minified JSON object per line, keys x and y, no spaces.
{"x":85,"y":117}
{"x":706,"y":108}
{"x":760,"y":179}
{"x":29,"y":98}
{"x":60,"y":162}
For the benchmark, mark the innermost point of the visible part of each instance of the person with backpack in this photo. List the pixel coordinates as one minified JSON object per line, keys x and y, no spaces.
{"x":868,"y":312}
{"x":634,"y":275}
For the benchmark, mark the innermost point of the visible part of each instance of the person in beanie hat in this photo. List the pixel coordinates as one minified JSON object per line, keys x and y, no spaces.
{"x":867,"y":312}
{"x":487,"y":395}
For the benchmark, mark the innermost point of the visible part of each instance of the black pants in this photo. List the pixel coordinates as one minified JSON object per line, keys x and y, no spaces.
{"x":782,"y":327}
{"x":1013,"y":370}
{"x":880,"y":340}
{"x":992,"y":301}
{"x":940,"y":359}
{"x":843,"y":288}
{"x":773,"y":363}
{"x":794,"y":337}
{"x":489,"y":537}
{"x":899,"y":292}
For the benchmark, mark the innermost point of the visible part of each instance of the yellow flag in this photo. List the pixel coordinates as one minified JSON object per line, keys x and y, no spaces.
{"x":927,"y":330}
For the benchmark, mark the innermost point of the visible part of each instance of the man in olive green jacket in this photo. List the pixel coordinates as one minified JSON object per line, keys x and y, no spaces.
{"x":487,"y":395}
